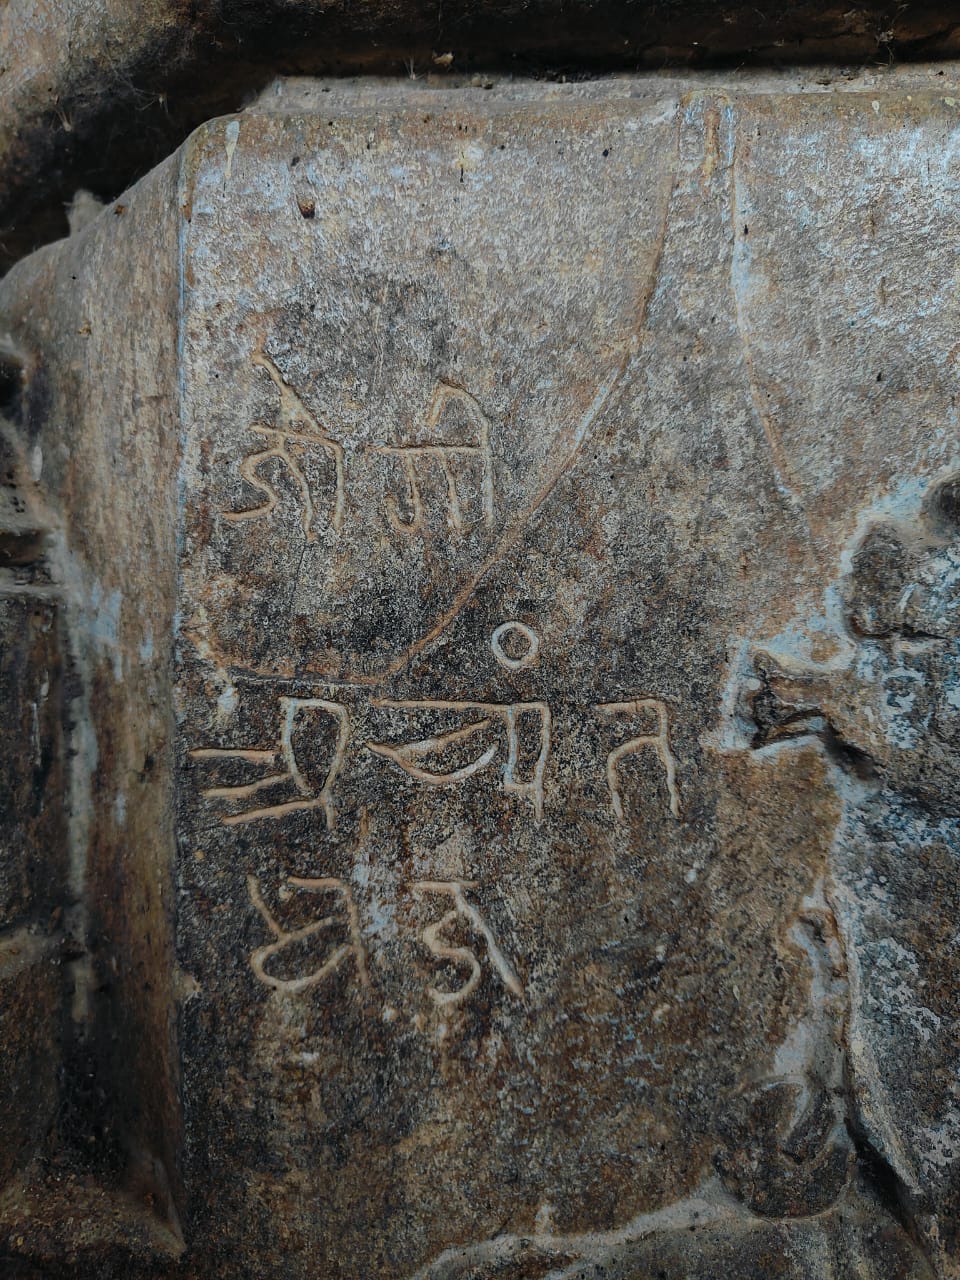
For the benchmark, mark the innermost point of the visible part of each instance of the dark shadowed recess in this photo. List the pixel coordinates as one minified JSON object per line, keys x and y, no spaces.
{"x":101,"y":112}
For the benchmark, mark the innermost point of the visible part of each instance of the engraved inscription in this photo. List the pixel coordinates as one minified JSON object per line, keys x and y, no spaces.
{"x":658,"y":739}
{"x":523,"y":773}
{"x":521,"y":733}
{"x":346,"y":917}
{"x":462,"y":907}
{"x":296,"y":429}
{"x":524,"y":659}
{"x":466,"y":468}
{"x":407,"y":755}
{"x":449,"y":458}
{"x":290,"y":709}
{"x":284,"y":938}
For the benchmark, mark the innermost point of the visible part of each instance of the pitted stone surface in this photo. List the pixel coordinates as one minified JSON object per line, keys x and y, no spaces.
{"x":523,"y":525}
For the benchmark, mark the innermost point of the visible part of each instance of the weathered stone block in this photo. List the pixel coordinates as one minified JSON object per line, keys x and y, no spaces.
{"x":93,"y":93}
{"x":34,"y":869}
{"x":30,"y":1052}
{"x":509,"y":563}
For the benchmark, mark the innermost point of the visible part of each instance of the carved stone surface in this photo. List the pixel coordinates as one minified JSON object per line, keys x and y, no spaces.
{"x":495,"y":572}
{"x":93,"y":92}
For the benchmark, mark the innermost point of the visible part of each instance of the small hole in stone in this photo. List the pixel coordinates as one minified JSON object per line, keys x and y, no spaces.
{"x":946,"y":502}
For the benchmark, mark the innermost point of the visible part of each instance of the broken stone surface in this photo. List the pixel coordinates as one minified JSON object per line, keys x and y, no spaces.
{"x":493,"y":563}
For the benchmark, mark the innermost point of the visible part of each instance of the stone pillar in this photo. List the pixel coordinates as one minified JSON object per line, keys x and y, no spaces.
{"x":489,"y":638}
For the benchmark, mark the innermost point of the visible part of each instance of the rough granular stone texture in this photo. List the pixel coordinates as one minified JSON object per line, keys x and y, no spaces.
{"x":94,"y":92}
{"x":505,"y":549}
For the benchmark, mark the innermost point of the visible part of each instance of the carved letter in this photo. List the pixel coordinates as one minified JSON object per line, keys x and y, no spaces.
{"x":406,"y":755}
{"x":293,"y":416}
{"x":659,"y":740}
{"x":444,"y":456}
{"x":456,"y":889}
{"x":285,"y":938}
{"x":289,"y":709}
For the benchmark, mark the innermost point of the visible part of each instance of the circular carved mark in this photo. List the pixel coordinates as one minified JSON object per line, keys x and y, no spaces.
{"x":524,"y":660}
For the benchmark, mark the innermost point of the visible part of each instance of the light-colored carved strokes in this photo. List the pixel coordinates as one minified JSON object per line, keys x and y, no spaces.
{"x":526,"y":740}
{"x":463,"y":908}
{"x":407,"y":755}
{"x":444,"y":456}
{"x":414,"y":496}
{"x":533,"y":788}
{"x":524,"y":659}
{"x":284,"y":938}
{"x":290,"y":709}
{"x":459,"y":955}
{"x":658,"y":740}
{"x":447,"y":394}
{"x":296,"y":426}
